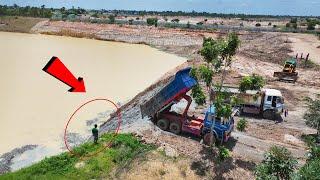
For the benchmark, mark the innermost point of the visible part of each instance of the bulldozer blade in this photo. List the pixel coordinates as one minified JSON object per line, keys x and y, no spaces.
{"x":288,"y":77}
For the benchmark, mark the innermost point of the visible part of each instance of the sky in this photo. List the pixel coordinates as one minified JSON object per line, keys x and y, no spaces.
{"x":266,"y":7}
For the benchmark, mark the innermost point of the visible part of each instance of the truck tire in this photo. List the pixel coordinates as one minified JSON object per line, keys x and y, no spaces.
{"x":209,"y":139}
{"x":163,"y":124}
{"x":268,"y":114}
{"x":175,"y":127}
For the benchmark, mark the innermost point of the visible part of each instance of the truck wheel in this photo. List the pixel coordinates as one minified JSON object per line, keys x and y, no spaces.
{"x":175,"y":127}
{"x":163,"y":124}
{"x":268,"y":115}
{"x":209,"y":139}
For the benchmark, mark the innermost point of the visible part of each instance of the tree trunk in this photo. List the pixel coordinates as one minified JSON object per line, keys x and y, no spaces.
{"x":223,"y":75}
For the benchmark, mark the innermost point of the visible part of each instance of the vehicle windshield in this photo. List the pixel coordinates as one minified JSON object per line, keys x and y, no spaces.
{"x":280,"y":100}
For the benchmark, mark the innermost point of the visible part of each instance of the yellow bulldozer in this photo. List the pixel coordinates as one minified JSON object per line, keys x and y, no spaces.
{"x":289,"y":71}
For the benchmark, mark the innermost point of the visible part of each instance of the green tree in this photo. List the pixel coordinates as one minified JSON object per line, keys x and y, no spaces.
{"x":295,"y":25}
{"x":130,"y":21}
{"x":278,"y":163}
{"x":152,"y":21}
{"x":288,"y":25}
{"x":95,"y":15}
{"x":254,"y":82}
{"x":198,"y":95}
{"x":229,"y":48}
{"x":188,"y":25}
{"x":175,"y":20}
{"x":199,"y":23}
{"x":112,"y":19}
{"x":293,"y":20}
{"x":312,"y":116}
{"x":311,"y":25}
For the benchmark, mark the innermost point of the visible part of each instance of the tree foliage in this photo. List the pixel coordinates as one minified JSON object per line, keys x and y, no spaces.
{"x":312,"y":116}
{"x":218,"y":52}
{"x":152,"y":21}
{"x":211,"y":49}
{"x":278,"y":163}
{"x":198,"y":95}
{"x":254,"y":82}
{"x":223,"y":109}
{"x":175,"y":20}
{"x":112,"y":19}
{"x":15,"y":10}
{"x":206,"y":74}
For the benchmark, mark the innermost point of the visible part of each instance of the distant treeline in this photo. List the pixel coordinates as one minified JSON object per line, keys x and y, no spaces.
{"x":42,"y":11}
{"x":194,"y":14}
{"x":15,"y":10}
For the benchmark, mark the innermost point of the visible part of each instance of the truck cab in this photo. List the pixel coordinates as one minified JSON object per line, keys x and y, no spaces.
{"x":273,"y":103}
{"x":216,"y":129}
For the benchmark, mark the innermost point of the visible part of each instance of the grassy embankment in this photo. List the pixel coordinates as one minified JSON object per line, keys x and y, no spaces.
{"x":124,"y":148}
{"x":18,"y":23}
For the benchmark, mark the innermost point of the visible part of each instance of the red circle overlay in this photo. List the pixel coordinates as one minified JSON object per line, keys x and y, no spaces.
{"x":71,"y":117}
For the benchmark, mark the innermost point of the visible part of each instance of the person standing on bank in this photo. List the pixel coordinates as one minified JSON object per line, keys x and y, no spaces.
{"x":95,"y":133}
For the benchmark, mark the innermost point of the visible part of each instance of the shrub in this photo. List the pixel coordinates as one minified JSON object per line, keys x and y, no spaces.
{"x":175,"y":20}
{"x":294,"y":25}
{"x":310,"y":140}
{"x":258,"y":25}
{"x":130,"y":21}
{"x":310,"y":170}
{"x":242,"y":124}
{"x":188,"y":25}
{"x":312,"y":116}
{"x":314,"y":153}
{"x":224,"y":153}
{"x":152,"y":21}
{"x":311,"y":26}
{"x":199,"y":23}
{"x":278,"y":163}
{"x":288,"y":25}
{"x":112,"y":19}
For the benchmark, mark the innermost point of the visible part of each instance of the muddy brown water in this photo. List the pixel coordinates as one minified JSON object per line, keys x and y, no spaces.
{"x":35,"y":107}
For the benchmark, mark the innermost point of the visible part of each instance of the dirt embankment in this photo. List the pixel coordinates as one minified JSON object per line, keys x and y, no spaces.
{"x":18,"y":23}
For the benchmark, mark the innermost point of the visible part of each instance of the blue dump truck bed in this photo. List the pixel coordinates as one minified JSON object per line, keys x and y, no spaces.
{"x":181,"y":84}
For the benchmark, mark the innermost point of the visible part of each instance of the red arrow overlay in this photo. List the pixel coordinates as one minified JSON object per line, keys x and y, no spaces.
{"x":58,"y":70}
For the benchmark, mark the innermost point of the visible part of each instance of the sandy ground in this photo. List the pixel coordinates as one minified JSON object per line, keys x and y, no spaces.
{"x":306,"y":43}
{"x":260,"y":53}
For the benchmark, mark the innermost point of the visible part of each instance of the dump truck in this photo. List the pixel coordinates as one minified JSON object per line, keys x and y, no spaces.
{"x":158,"y":108}
{"x":266,"y":102}
{"x":289,"y":71}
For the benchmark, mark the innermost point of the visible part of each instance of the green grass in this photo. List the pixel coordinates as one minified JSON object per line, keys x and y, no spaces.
{"x":310,"y":65}
{"x":125,"y":147}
